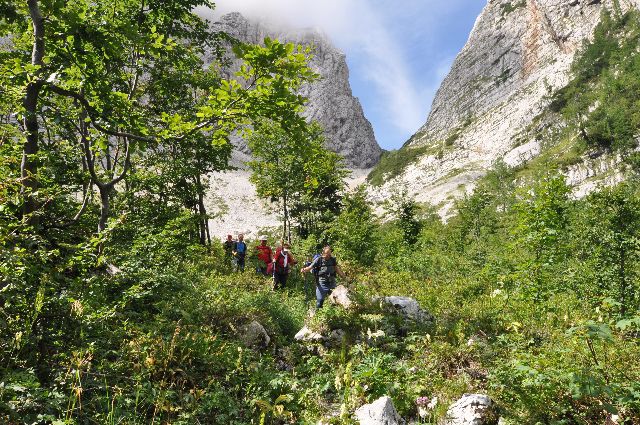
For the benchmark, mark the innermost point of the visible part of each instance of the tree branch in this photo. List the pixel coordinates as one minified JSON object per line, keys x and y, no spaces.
{"x":91,"y":114}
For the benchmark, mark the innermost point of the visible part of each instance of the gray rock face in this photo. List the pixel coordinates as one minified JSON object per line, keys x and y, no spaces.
{"x":409,"y":308}
{"x":380,"y":412}
{"x":518,"y":53}
{"x":331,"y":101}
{"x":472,"y":409}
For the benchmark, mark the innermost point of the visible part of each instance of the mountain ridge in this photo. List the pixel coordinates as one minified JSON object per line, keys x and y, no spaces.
{"x":518,"y":54}
{"x":331,"y":101}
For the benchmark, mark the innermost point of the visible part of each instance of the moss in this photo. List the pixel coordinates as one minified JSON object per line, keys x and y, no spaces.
{"x":503,"y":77}
{"x":451,"y":139}
{"x":507,"y":8}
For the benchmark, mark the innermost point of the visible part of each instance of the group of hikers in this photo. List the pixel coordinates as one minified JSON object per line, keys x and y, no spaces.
{"x":279,"y":264}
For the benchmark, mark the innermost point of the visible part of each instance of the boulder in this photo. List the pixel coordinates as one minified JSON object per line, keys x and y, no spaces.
{"x":472,"y":409}
{"x":335,"y":338}
{"x":380,"y":412}
{"x":307,"y":335}
{"x":333,"y":413}
{"x":254,"y":335}
{"x":409,"y":308}
{"x":341,"y":296}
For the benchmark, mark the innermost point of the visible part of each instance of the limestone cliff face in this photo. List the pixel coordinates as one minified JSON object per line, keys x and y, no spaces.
{"x":518,"y":53}
{"x":331,"y":101}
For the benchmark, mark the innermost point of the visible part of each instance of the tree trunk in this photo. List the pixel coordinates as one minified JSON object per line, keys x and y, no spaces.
{"x":105,"y":190}
{"x":286,"y":219}
{"x":205,"y":236}
{"x":29,"y":164}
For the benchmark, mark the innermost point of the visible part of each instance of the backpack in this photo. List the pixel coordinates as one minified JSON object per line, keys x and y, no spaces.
{"x":331,"y":264}
{"x":316,"y":268}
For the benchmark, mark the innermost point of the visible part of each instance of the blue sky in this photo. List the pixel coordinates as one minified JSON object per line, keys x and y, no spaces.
{"x":398,"y":51}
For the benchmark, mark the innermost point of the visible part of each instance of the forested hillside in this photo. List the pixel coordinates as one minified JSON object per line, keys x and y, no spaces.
{"x":116,"y":305}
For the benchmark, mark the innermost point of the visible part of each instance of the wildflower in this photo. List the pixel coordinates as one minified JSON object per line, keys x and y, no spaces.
{"x":433,"y":403}
{"x":422,"y":401}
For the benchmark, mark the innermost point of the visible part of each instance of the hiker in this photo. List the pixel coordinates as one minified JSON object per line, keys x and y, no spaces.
{"x":265,"y":255}
{"x":282,"y":262}
{"x":240,"y":252}
{"x":227,"y":246}
{"x":325,"y":268}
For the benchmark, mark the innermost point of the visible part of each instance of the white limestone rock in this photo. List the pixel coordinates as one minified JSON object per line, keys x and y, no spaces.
{"x":409,"y":308}
{"x":380,"y":412}
{"x":254,"y":335}
{"x":472,"y":409}
{"x":342,"y":296}
{"x":307,"y":335}
{"x":113,"y":270}
{"x":518,"y":53}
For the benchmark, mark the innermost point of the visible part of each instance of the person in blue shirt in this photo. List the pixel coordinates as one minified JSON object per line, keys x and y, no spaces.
{"x":240,"y":252}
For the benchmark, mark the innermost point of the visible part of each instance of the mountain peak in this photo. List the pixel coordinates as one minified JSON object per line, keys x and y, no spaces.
{"x":331,"y":101}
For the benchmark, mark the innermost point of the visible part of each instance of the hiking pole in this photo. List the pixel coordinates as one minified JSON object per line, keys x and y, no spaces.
{"x":306,"y":289}
{"x":273,"y":274}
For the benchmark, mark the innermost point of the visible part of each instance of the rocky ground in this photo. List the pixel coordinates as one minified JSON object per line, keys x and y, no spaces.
{"x":236,"y":206}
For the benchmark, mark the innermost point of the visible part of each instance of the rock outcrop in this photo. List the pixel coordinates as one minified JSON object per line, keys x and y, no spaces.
{"x":472,"y":409}
{"x":408,"y":308}
{"x":518,"y":53}
{"x":331,"y":102}
{"x":307,"y":335}
{"x":254,"y":335}
{"x":380,"y":412}
{"x":342,"y":296}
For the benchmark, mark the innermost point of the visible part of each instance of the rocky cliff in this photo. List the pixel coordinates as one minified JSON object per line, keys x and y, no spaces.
{"x":518,"y":53}
{"x":331,"y":101}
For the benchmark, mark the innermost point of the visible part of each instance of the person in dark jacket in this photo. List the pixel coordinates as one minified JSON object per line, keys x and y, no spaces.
{"x":325,"y":268}
{"x":227,"y":246}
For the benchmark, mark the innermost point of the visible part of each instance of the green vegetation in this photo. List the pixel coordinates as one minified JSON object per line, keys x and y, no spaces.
{"x":297,"y":171}
{"x":601,"y":102}
{"x":509,"y":7}
{"x":116,"y":307}
{"x":393,"y":163}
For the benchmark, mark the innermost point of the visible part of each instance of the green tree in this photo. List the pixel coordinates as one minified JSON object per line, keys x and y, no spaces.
{"x":112,"y":95}
{"x":117,"y":86}
{"x":295,"y":170}
{"x":609,"y":247}
{"x":355,"y":232}
{"x":404,"y":210}
{"x":541,"y":222}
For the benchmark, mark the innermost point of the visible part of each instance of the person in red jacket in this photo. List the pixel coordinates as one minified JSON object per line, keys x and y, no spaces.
{"x":283,"y":260}
{"x":264,"y":254}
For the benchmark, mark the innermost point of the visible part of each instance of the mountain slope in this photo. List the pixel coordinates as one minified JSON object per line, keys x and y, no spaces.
{"x":518,"y":54}
{"x":331,"y":102}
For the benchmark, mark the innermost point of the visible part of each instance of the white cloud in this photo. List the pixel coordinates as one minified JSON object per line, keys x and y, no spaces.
{"x":359,"y":28}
